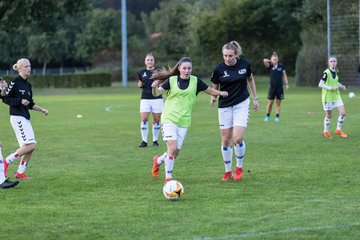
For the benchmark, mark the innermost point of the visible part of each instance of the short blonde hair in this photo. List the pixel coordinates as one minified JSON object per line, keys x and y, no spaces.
{"x":20,"y":63}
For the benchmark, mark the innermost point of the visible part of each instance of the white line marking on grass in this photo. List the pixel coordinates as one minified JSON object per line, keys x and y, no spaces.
{"x":112,"y":107}
{"x":271,"y":233}
{"x":109,"y":108}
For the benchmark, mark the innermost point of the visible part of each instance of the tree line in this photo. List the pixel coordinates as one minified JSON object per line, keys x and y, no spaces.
{"x":68,"y":33}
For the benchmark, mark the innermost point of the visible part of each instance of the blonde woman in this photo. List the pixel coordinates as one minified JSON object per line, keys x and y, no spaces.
{"x":331,"y":98}
{"x":19,"y":97}
{"x":149,"y":103}
{"x":233,"y":75}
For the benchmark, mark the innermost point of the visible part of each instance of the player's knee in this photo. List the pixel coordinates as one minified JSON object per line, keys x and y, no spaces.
{"x":238,"y":140}
{"x":31,"y":147}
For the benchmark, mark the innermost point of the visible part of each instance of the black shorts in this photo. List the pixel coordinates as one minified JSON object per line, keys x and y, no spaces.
{"x":276,"y":92}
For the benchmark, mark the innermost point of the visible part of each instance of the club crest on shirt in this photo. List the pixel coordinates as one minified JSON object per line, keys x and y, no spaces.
{"x":226,"y":74}
{"x":242,"y":71}
{"x":22,"y":91}
{"x":144,"y":74}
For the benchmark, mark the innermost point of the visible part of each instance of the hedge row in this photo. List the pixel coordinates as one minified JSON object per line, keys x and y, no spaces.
{"x":76,"y":80}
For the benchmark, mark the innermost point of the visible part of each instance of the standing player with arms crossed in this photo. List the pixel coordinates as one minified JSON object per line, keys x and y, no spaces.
{"x":149,"y":103}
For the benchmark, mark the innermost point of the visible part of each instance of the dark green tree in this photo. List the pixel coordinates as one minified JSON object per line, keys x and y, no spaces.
{"x":260,"y":27}
{"x":311,"y":59}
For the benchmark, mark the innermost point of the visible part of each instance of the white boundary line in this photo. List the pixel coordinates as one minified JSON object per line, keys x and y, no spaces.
{"x":270,"y":233}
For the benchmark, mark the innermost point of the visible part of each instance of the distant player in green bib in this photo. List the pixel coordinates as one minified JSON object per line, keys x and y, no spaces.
{"x":331,"y":98}
{"x":182,"y":90}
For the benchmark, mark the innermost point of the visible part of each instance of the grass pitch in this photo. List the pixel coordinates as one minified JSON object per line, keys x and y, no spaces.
{"x":91,"y":181}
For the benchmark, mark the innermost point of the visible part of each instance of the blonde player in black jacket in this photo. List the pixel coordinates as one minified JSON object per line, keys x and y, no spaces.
{"x":19,"y":98}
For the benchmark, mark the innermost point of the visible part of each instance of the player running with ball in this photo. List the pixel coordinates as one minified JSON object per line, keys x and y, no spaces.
{"x":182,"y":90}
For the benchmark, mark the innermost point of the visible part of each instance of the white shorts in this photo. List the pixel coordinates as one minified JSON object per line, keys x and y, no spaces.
{"x":172,"y":132}
{"x":237,"y":115}
{"x":152,"y":105}
{"x":328,"y":106}
{"x":23,"y":130}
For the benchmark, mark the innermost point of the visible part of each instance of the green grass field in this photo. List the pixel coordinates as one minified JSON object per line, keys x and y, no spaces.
{"x":91,"y":181}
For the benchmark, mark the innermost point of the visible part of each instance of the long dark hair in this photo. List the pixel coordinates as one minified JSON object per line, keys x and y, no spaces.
{"x":163,"y":74}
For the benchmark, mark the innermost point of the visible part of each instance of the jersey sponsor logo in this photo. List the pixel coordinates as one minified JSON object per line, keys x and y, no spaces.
{"x":242,"y":71}
{"x":22,"y":91}
{"x":169,"y":136}
{"x":226,"y":74}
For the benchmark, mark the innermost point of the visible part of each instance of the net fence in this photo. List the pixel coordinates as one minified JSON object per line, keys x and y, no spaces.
{"x":345,"y":39}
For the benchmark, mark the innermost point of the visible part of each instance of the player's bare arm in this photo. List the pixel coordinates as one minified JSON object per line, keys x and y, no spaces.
{"x":252,"y":87}
{"x":267,"y":62}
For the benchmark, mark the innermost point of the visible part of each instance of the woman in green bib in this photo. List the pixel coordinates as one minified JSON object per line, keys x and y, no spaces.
{"x":331,"y":98}
{"x":182,"y":90}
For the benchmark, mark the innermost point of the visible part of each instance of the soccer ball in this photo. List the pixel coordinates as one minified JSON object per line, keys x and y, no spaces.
{"x":173,"y":190}
{"x":351,"y":95}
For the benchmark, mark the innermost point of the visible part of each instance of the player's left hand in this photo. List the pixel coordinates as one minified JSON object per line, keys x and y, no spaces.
{"x":255,"y":105}
{"x":45,"y":111}
{"x":224,"y":93}
{"x":155,"y":84}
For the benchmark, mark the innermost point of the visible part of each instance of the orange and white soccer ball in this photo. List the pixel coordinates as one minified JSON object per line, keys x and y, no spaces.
{"x":173,"y":190}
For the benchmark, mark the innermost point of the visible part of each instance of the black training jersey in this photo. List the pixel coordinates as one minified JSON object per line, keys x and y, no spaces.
{"x":232,"y":79}
{"x":144,"y":76}
{"x":17,"y":90}
{"x":276,"y":74}
{"x":183,"y":84}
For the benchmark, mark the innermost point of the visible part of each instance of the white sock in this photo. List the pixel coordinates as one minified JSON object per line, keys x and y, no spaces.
{"x":2,"y":173}
{"x":340,"y":122}
{"x":240,"y":153}
{"x":144,"y":131}
{"x":12,"y":157}
{"x":155,"y":131}
{"x":327,"y":122}
{"x":169,"y":166}
{"x":161,"y":159}
{"x":22,"y":167}
{"x":227,"y":153}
